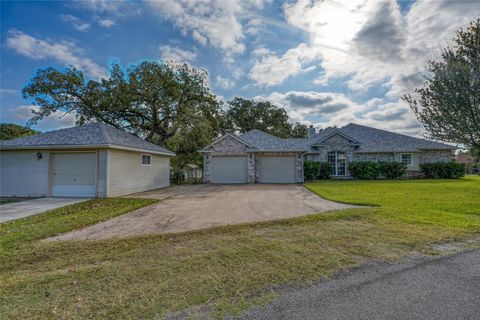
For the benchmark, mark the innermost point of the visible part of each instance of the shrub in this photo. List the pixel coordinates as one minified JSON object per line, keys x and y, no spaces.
{"x":365,"y":170}
{"x":428,"y":170}
{"x":393,"y":170}
{"x":313,"y":170}
{"x":443,"y":170}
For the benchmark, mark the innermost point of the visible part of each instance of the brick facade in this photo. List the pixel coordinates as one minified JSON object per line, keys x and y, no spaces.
{"x":340,"y":143}
{"x":227,"y":146}
{"x":230,"y":146}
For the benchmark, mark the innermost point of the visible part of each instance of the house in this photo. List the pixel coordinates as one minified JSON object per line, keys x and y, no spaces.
{"x":93,"y":160}
{"x":467,"y":159}
{"x":258,"y":157}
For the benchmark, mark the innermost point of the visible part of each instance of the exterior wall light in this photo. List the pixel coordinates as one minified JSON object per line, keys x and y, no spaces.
{"x":39,"y":156}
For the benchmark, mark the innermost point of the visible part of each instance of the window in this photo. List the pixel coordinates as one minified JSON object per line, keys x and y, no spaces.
{"x":407,"y":159}
{"x":146,"y":159}
{"x":338,"y":160}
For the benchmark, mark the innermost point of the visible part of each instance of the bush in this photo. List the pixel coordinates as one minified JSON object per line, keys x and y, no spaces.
{"x":443,"y":170}
{"x":313,"y":170}
{"x":393,"y":170}
{"x":365,"y":170}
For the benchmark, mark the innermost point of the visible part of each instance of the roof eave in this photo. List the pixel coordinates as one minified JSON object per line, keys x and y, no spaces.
{"x":86,"y":146}
{"x":277,"y":150}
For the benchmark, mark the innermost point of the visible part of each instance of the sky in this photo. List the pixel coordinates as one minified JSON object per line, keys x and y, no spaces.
{"x":327,"y":63}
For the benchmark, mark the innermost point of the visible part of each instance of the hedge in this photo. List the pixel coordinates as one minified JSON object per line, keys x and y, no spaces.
{"x":393,"y":170}
{"x":443,"y":170}
{"x":313,"y":170}
{"x":369,"y":170}
{"x":365,"y":170}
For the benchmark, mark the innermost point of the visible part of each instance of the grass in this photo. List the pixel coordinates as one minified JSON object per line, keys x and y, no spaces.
{"x":230,"y":268}
{"x":23,"y":232}
{"x":6,"y":201}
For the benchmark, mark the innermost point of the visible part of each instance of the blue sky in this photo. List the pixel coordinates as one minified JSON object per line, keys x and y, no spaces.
{"x":325,"y":62}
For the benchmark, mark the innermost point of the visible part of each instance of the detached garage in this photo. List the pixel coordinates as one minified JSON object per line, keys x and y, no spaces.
{"x":93,"y":160}
{"x":253,"y":157}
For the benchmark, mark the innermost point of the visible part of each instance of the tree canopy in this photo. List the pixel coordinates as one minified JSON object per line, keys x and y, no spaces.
{"x":11,"y":131}
{"x":164,"y":103}
{"x":168,"y":104}
{"x":243,"y":115}
{"x":448,"y":102}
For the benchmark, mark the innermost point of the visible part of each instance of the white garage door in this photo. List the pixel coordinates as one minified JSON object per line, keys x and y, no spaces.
{"x":73,"y":174}
{"x":229,"y":170}
{"x":277,"y":169}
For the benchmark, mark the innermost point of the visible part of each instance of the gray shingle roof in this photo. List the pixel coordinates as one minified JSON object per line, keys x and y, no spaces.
{"x":373,"y":140}
{"x":94,"y":134}
{"x":260,"y":140}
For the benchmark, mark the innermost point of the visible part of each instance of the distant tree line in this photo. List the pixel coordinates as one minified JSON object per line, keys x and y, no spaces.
{"x":10,"y":131}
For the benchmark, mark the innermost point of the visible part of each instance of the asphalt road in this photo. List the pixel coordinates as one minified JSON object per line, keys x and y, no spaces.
{"x":442,"y":288}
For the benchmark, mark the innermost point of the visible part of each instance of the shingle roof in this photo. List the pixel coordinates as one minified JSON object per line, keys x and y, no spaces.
{"x":263,"y":141}
{"x":373,"y":140}
{"x":94,"y":134}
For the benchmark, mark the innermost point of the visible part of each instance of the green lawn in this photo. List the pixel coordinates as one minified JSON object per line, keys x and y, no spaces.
{"x":7,"y":201}
{"x":229,"y":268}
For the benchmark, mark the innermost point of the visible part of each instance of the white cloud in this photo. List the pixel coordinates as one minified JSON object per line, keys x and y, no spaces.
{"x":371,"y":42}
{"x":324,"y":109}
{"x":262,"y":52}
{"x":272,"y":70}
{"x":168,"y":52}
{"x":106,"y":23}
{"x":224,"y":82}
{"x":56,"y":120}
{"x":106,"y":12}
{"x":108,"y":7}
{"x":77,"y":23}
{"x":217,"y":23}
{"x":4,"y":91}
{"x":64,"y":52}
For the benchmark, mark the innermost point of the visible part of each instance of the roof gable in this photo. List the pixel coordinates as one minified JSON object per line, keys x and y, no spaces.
{"x":222,"y":138}
{"x":332,"y":133}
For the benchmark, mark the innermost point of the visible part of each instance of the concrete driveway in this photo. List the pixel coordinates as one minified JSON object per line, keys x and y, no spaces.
{"x":184,"y":208}
{"x":21,"y":209}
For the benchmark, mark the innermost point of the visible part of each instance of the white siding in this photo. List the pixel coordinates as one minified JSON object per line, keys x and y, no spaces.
{"x":126,"y":174}
{"x":23,"y":175}
{"x":102,"y":173}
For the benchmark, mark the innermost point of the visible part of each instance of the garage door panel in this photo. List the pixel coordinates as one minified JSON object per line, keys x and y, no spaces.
{"x":277,"y":169}
{"x":73,"y":174}
{"x":229,"y":169}
{"x":74,"y":191}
